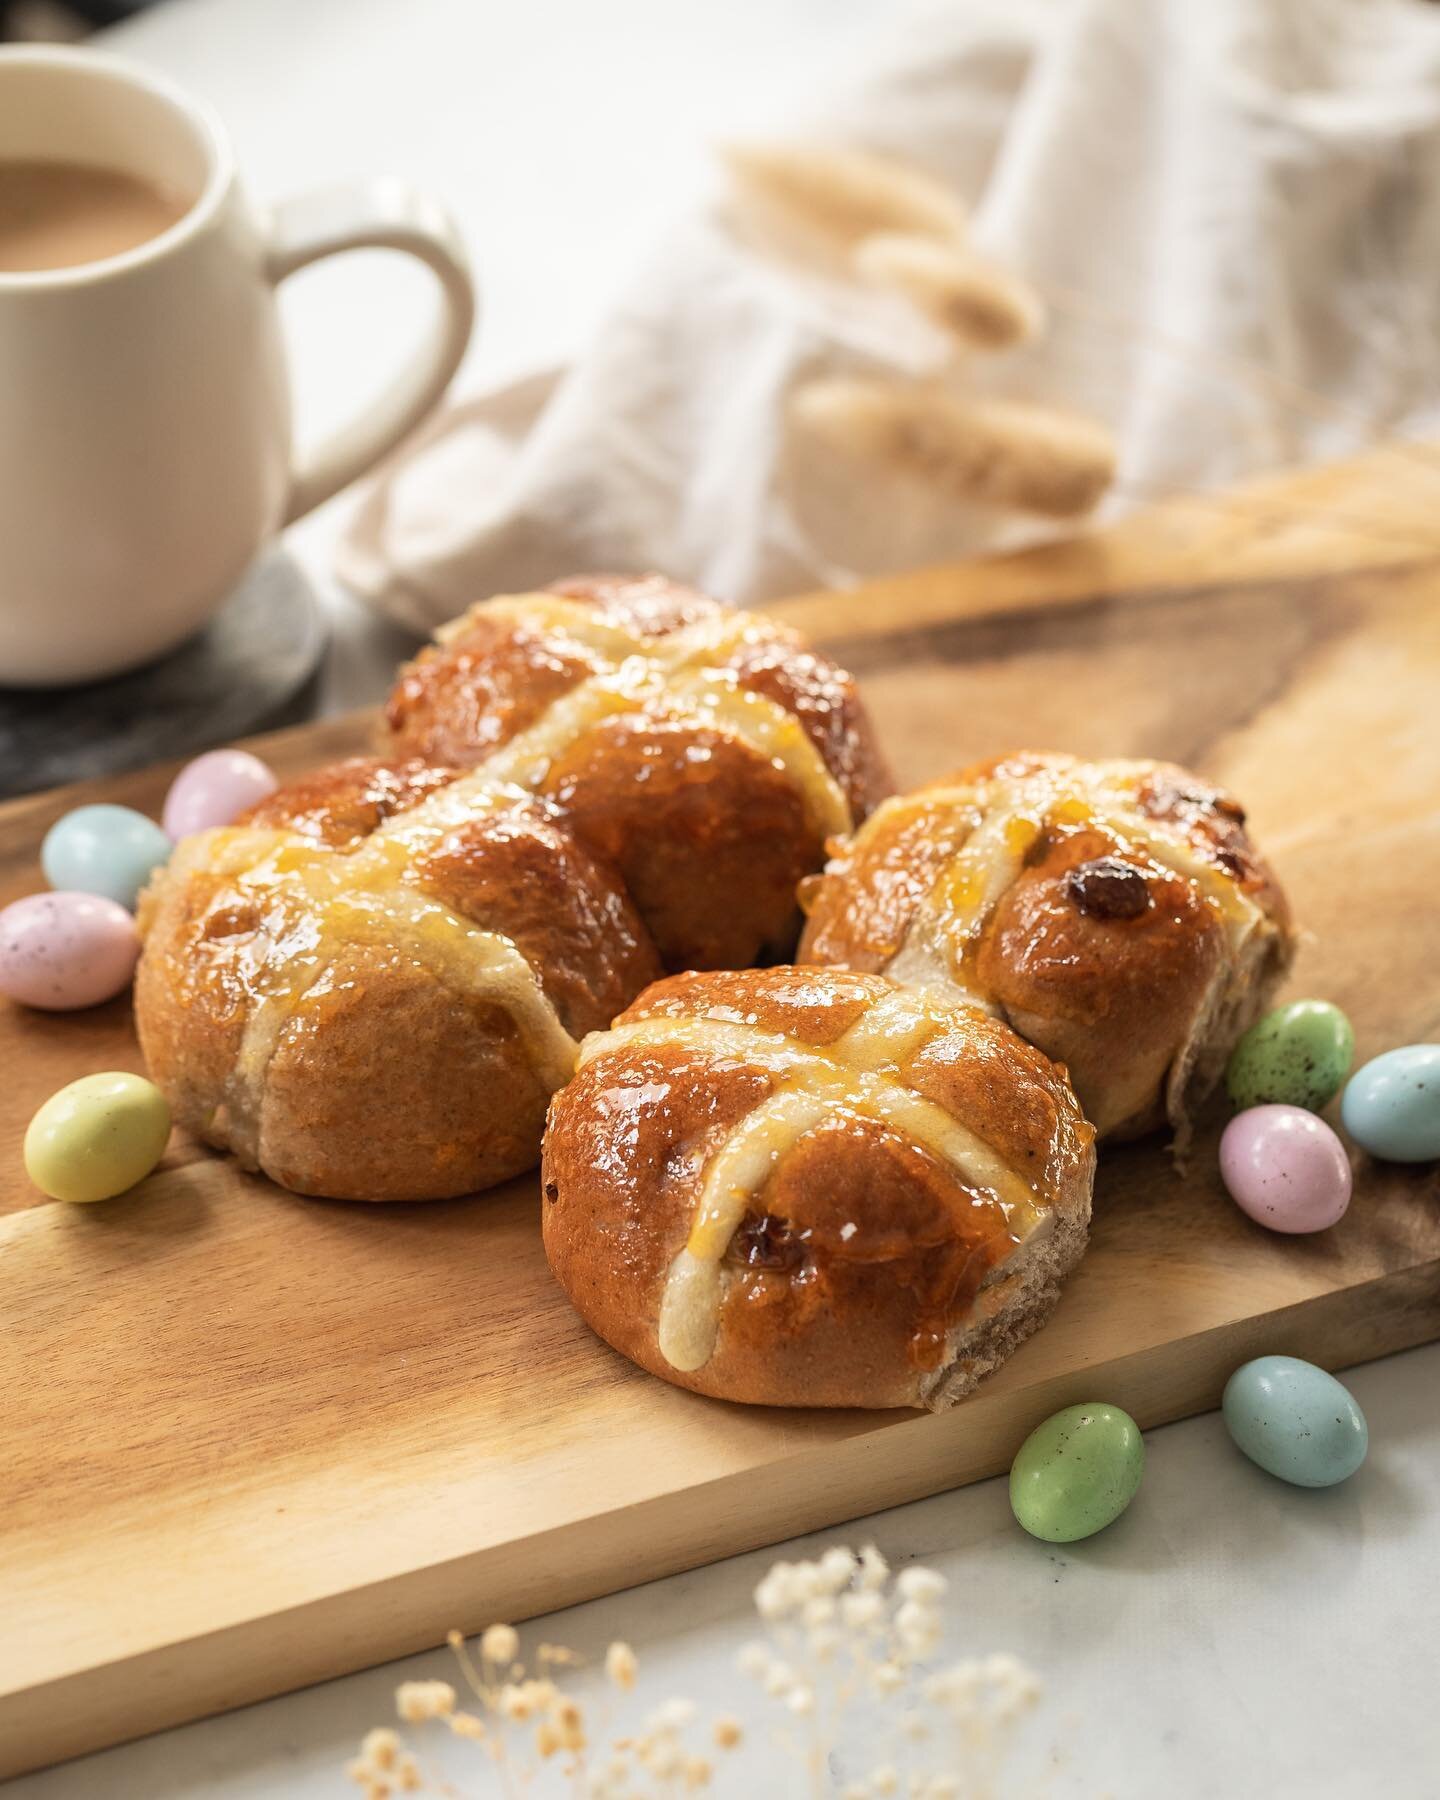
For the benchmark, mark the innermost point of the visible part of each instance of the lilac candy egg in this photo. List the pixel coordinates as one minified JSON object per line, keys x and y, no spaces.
{"x":64,"y":950}
{"x":214,"y":790}
{"x":1286,"y":1168}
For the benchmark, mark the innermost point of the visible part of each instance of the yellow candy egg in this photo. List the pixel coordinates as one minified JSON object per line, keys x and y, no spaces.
{"x":97,"y":1137}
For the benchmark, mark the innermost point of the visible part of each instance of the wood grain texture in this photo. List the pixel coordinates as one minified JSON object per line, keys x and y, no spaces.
{"x":252,"y":1441}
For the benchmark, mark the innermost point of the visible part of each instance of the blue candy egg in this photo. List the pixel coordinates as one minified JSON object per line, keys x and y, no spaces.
{"x":1391,"y":1107}
{"x":109,"y":850}
{"x":1295,"y":1420}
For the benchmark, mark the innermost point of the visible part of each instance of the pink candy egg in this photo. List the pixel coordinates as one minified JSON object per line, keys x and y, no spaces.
{"x":64,"y":950}
{"x":214,"y":790}
{"x":1285,"y":1168}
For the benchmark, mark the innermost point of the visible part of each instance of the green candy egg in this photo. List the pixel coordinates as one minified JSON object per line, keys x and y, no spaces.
{"x":1077,"y":1472}
{"x":1296,"y":1056}
{"x":97,"y":1137}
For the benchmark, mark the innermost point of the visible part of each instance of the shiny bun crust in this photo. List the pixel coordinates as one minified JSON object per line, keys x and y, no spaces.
{"x":370,"y":986}
{"x":707,"y":755}
{"x":1116,"y":914}
{"x":809,"y":1187}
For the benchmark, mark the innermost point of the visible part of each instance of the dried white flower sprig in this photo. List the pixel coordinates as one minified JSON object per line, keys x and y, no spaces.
{"x":526,"y":1724}
{"x":843,"y":1632}
{"x":843,"y":1638}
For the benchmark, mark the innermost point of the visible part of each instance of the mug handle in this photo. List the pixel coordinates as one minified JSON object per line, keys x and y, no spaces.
{"x":375,"y":215}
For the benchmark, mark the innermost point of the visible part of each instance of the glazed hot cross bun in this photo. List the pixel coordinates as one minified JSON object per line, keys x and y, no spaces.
{"x":707,"y":755}
{"x":370,"y":986}
{"x":811,"y":1187}
{"x":1116,"y":914}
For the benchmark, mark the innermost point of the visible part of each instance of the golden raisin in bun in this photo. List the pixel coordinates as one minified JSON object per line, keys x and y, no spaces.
{"x":809,"y":1187}
{"x":1117,"y":914}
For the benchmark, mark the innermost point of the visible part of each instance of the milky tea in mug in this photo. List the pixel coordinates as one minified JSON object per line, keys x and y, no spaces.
{"x":54,"y":215}
{"x":145,"y":431}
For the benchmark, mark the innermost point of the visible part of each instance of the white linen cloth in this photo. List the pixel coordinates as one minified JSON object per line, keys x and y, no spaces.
{"x":1232,"y":210}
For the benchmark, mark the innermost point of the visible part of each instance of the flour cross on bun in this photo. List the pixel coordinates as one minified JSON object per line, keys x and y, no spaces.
{"x":810,"y":1187}
{"x":1115,"y":913}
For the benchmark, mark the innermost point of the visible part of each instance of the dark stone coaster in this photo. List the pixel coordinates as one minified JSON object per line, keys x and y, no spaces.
{"x":250,"y":669}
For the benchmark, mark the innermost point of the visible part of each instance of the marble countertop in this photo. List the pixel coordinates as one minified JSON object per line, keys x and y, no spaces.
{"x":1230,"y":1636}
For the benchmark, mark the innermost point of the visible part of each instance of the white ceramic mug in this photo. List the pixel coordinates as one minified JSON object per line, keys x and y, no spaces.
{"x":145,"y":437}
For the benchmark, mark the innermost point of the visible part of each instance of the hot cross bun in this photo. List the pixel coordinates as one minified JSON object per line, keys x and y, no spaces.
{"x":370,"y":987}
{"x":811,"y":1187}
{"x":707,"y":755}
{"x":1116,"y":914}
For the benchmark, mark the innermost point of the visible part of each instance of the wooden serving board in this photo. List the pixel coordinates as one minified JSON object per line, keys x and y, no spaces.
{"x":251,"y":1440}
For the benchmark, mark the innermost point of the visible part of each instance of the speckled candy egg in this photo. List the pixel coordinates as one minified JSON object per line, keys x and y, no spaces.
{"x":1286,"y":1168}
{"x":214,"y":790}
{"x":1392,"y":1106}
{"x":109,"y":850}
{"x":1295,"y":1056}
{"x":61,"y":951}
{"x":1295,"y":1420}
{"x":1077,"y":1473}
{"x":97,"y":1137}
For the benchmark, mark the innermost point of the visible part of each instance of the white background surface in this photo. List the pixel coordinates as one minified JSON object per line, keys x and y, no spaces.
{"x":1230,"y":1636}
